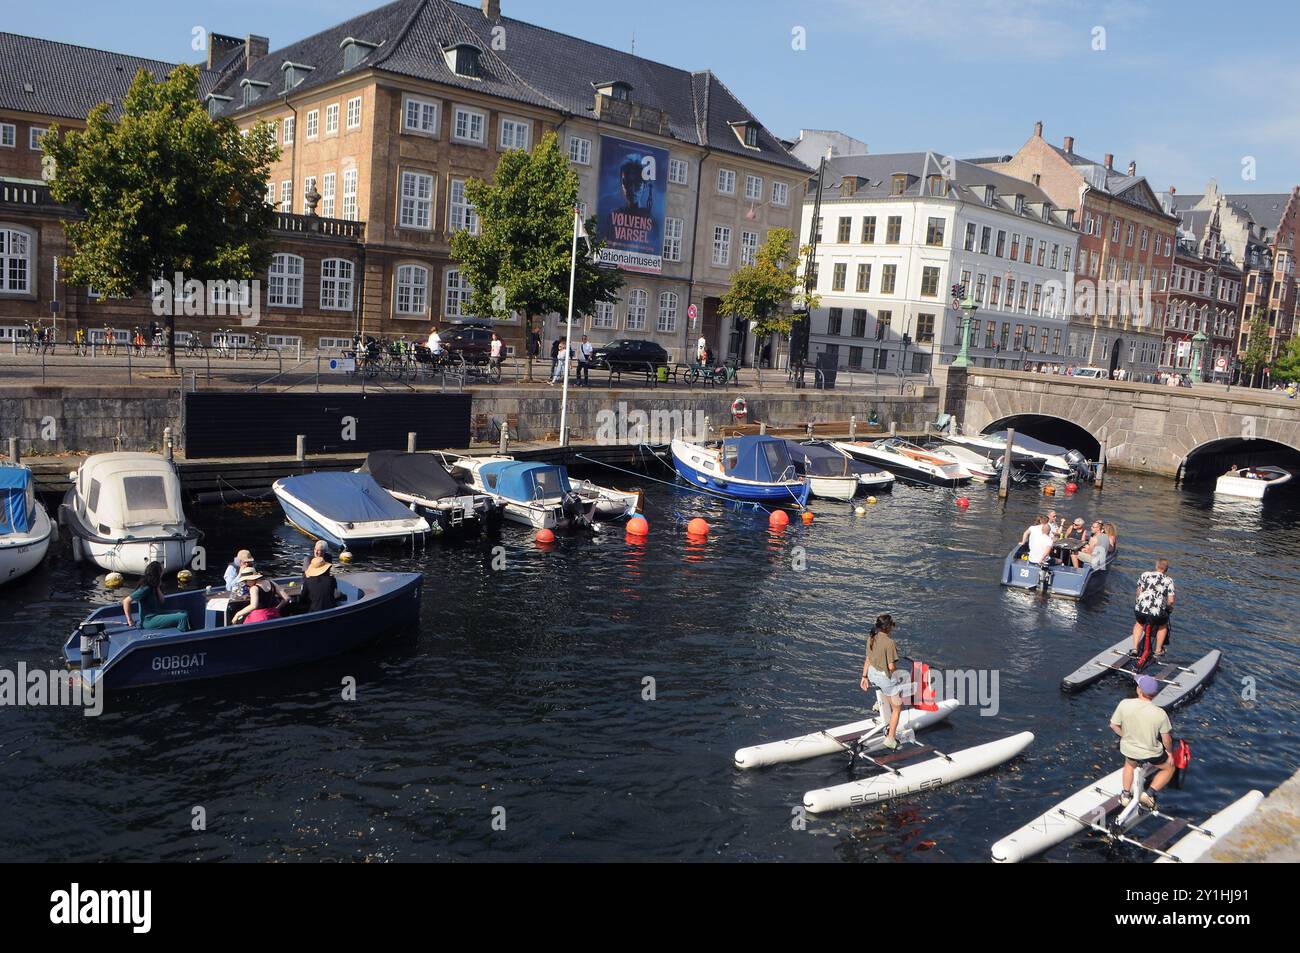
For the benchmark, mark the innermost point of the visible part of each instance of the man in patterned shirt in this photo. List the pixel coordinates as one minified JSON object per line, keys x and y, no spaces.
{"x":1155,"y":600}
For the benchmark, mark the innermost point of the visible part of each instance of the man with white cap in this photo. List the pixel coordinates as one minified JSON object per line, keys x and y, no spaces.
{"x":1145,"y":738}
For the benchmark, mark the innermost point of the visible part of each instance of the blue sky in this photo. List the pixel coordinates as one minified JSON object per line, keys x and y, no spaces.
{"x":1189,"y":90}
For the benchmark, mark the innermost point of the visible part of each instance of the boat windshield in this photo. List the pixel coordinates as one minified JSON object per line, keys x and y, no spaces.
{"x":146,"y":500}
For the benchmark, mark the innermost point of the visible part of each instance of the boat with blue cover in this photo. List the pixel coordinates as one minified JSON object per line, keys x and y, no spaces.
{"x":535,"y":494}
{"x":1058,"y":579}
{"x":104,"y":651}
{"x":25,"y":527}
{"x":755,"y":469}
{"x":346,"y":509}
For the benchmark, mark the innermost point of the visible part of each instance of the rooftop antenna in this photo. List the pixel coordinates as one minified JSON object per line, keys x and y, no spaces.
{"x":634,"y":42}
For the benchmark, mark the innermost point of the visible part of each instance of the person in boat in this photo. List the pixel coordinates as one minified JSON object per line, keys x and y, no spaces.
{"x":1155,"y":600}
{"x":1041,"y":542}
{"x":1034,"y":527}
{"x":1097,"y":549}
{"x":320,"y":550}
{"x":319,"y":588}
{"x":878,"y":672}
{"x":1076,"y":530}
{"x":265,"y":598}
{"x":148,"y":599}
{"x":1145,"y":738}
{"x":1054,"y":523}
{"x":242,"y":558}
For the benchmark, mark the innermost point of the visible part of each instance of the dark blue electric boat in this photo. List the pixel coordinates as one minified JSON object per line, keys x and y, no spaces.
{"x":104,"y":650}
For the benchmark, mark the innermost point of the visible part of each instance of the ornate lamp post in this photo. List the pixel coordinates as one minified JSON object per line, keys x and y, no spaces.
{"x":1198,"y":356}
{"x":968,"y":309}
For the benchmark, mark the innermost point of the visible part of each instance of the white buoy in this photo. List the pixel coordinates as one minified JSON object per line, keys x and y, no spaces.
{"x":113,"y":580}
{"x":860,"y":510}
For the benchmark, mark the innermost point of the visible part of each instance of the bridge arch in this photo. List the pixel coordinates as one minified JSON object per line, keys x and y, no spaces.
{"x":1051,"y":429}
{"x":1214,"y":457}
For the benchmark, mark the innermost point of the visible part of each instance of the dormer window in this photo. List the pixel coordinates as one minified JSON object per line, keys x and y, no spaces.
{"x":463,"y":59}
{"x":1020,"y":204}
{"x":615,"y":89}
{"x":355,"y":51}
{"x":990,"y":195}
{"x":898,"y":183}
{"x":294,"y":73}
{"x":935,"y":185}
{"x":1047,"y":211}
{"x":216,"y":104}
{"x":746,"y":131}
{"x":253,"y":90}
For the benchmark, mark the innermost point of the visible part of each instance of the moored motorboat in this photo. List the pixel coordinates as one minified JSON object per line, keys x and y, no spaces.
{"x":907,"y":461}
{"x":755,"y":469}
{"x":833,"y":474}
{"x":610,"y":504}
{"x":535,"y":494}
{"x":422,"y":482}
{"x":25,"y":527}
{"x":125,"y":510}
{"x":982,"y":469}
{"x":347,"y":509}
{"x":1056,"y":460}
{"x":1252,"y":483}
{"x":104,"y":651}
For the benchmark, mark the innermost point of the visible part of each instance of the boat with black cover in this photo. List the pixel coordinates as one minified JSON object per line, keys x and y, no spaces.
{"x":421,"y":481}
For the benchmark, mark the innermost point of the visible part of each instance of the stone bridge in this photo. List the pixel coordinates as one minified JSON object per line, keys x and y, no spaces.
{"x":1143,"y":427}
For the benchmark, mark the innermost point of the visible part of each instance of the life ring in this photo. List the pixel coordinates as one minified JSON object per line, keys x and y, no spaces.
{"x":739,"y":409}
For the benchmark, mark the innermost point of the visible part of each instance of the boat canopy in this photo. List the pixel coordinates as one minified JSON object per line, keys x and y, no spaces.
{"x":525,"y":482}
{"x":759,"y":459}
{"x":1034,"y":446}
{"x":819,"y":460}
{"x":419,"y":475}
{"x":345,"y":497}
{"x":17,"y":500}
{"x":131,"y":490}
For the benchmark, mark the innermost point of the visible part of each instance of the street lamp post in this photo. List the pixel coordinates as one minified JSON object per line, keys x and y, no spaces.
{"x":1198,"y":356}
{"x":968,"y":309}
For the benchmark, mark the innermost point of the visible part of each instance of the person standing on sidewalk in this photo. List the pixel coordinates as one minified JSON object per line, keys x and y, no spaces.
{"x":559,"y":360}
{"x":534,"y":347}
{"x":584,"y":362}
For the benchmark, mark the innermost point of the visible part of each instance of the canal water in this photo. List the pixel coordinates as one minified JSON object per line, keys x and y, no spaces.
{"x":515,"y":724}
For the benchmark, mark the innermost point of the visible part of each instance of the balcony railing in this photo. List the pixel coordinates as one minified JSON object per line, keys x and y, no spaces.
{"x":339,"y":228}
{"x":28,"y":194}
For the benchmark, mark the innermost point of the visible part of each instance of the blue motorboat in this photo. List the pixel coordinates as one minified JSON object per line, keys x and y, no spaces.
{"x":105,"y":651}
{"x":25,"y":527}
{"x":1056,"y":579}
{"x":346,"y":509}
{"x":753,"y":469}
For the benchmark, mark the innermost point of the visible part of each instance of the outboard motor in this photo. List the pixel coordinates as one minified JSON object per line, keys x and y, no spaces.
{"x":92,"y":643}
{"x":1079,"y":465}
{"x":573,"y":511}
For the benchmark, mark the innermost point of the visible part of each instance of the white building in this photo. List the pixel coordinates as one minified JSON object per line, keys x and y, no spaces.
{"x":813,"y":144}
{"x":899,"y":231}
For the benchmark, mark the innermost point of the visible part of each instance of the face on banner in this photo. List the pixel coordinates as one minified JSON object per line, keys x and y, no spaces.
{"x":632,"y":203}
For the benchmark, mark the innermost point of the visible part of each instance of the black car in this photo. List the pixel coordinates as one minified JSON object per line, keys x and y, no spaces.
{"x":472,"y":341}
{"x":630,"y":354}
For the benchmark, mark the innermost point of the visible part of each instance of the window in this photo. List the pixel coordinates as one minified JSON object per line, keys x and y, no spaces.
{"x":1029,"y":340}
{"x":327,"y":195}
{"x":460,"y":213}
{"x":673,"y":228}
{"x":34,"y":137}
{"x":864,"y":278}
{"x":1065,"y":266}
{"x":336,"y":284}
{"x":726,"y":182}
{"x":880,"y":358}
{"x":416,"y":209}
{"x":350,"y":195}
{"x":990,"y":334}
{"x":995,"y":291}
{"x":838,"y":274}
{"x":934,"y":232}
{"x":883,"y":320}
{"x":420,"y":115}
{"x":897,"y":184}
{"x":288,"y":130}
{"x":1015,"y":246}
{"x":929,"y":282}
{"x":980,"y":281}
{"x":1114,"y":230}
{"x":859,"y":323}
{"x":1042,"y":255}
{"x":969,"y":244}
{"x":888,"y":276}
{"x":8,"y":135}
{"x":331,"y":119}
{"x":1005,"y":334}
{"x":284,"y":281}
{"x":1143,"y":244}
{"x":868,"y":229}
{"x":637,"y":303}
{"x":1024,"y":296}
{"x":677,"y":171}
{"x":469,"y":125}
{"x":748,"y":248}
{"x":1038,"y":299}
{"x":354,"y":113}
{"x":893,"y":229}
{"x":1029,"y":250}
{"x":1128,"y":235}
{"x":313,"y":124}
{"x":412,"y":291}
{"x":1001,"y":245}
{"x":667,"y":320}
{"x":986,"y":236}
{"x":845,"y":228}
{"x":780,"y":194}
{"x":604,"y":315}
{"x":286,"y":196}
{"x":580,"y":150}
{"x":754,"y":189}
{"x":721,"y":245}
{"x":835,"y":322}
{"x":855,"y":358}
{"x":515,"y":134}
{"x":924,"y":328}
{"x":456,"y":293}
{"x":15,"y":261}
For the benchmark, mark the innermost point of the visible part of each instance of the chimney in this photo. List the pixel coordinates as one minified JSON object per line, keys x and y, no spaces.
{"x":1069,"y":145}
{"x":1173,"y":190}
{"x":1038,"y":129}
{"x":492,"y":9}
{"x":255,"y":47}
{"x":1110,"y":162}
{"x":1132,"y":168}
{"x":218,"y":46}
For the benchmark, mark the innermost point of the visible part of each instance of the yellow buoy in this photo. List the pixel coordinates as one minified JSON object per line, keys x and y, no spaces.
{"x":113,"y":580}
{"x":871,"y":500}
{"x":860,"y":510}
{"x":184,"y":576}
{"x":345,"y":556}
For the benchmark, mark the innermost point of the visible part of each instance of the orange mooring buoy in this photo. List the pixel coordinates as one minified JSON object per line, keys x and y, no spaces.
{"x":545,"y":537}
{"x":698,"y":527}
{"x":807,"y":517}
{"x":778,"y":518}
{"x":637,"y":526}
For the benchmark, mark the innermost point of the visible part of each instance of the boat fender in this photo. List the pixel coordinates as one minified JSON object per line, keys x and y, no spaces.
{"x":113,"y":580}
{"x":1182,"y":761}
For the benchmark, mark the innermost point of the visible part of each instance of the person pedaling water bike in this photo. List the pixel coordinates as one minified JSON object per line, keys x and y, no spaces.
{"x":1145,"y":738}
{"x":1155,"y":601}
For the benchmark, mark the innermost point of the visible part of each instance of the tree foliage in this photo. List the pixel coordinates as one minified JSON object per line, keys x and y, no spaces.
{"x":1286,"y":366}
{"x":1257,"y":345}
{"x":764,"y":292}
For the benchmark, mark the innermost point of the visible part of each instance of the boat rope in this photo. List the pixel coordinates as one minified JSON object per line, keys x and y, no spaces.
{"x":704,"y":491}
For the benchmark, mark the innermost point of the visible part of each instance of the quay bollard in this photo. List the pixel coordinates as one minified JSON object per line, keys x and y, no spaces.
{"x":893,"y":428}
{"x":13,"y":450}
{"x":706,"y":426}
{"x":853,"y":427}
{"x":1004,"y":483}
{"x":167,"y":443}
{"x":302,"y":447}
{"x":505,"y":436}
{"x":410,"y":442}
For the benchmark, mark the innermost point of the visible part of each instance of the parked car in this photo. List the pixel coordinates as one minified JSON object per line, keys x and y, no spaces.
{"x":630,"y":354}
{"x":473,"y":342}
{"x":1092,"y":373}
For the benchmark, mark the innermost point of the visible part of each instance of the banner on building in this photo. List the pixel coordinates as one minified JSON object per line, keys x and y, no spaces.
{"x":633,"y":200}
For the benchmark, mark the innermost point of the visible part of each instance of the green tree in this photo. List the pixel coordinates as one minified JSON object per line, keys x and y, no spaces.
{"x":765,"y":292}
{"x":164,"y":189}
{"x":520,"y":259}
{"x":1286,"y":366}
{"x":1257,"y":346}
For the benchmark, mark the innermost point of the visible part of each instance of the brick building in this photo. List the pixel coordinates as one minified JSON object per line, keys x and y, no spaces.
{"x":1205,"y":297}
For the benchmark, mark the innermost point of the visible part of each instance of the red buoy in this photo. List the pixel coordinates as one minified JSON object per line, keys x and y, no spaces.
{"x":1071,"y":487}
{"x":963,"y":501}
{"x":545,"y":536}
{"x":698,"y":527}
{"x":807,"y":517}
{"x":778,"y":518}
{"x":637,"y":526}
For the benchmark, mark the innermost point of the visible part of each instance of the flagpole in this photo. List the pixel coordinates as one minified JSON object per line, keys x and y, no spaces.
{"x":568,"y":337}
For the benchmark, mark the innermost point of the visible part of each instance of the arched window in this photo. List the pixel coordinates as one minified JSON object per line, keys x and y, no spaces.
{"x":667,"y":322}
{"x":637,"y":305}
{"x":16,"y":265}
{"x":411,"y":294}
{"x":336,"y":284}
{"x":284,"y":281}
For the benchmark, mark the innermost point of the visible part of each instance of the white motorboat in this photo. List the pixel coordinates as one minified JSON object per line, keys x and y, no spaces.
{"x":347,"y":509}
{"x":25,"y":527}
{"x":1052,"y":459}
{"x":833,"y":474}
{"x":534,"y":494}
{"x":125,"y":511}
{"x":1252,"y":483}
{"x":982,"y":470}
{"x":908,"y":461}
